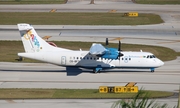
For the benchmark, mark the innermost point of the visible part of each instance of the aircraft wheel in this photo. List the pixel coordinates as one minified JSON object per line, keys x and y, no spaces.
{"x":94,"y":70}
{"x":152,"y":71}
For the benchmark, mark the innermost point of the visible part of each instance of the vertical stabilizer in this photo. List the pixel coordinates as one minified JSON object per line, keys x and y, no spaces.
{"x":32,"y":42}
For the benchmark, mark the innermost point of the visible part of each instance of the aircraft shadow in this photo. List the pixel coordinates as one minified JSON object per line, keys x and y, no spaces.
{"x":73,"y":71}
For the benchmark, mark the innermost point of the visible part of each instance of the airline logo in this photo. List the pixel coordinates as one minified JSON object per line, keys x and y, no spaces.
{"x":30,"y":36}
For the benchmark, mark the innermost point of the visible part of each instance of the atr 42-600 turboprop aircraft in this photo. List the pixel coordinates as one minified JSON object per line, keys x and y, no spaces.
{"x":97,"y":58}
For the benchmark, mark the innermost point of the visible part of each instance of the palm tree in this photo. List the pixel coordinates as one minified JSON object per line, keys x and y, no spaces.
{"x":141,"y":100}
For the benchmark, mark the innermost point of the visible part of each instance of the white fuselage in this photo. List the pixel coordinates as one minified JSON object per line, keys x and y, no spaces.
{"x":98,"y":58}
{"x":86,"y":60}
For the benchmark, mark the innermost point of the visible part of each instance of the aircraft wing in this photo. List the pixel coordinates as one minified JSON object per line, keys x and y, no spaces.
{"x":97,"y":49}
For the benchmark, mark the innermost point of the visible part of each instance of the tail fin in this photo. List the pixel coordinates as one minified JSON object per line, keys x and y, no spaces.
{"x":31,"y":41}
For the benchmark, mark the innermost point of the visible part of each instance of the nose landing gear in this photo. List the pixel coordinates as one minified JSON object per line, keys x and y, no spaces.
{"x":152,"y":69}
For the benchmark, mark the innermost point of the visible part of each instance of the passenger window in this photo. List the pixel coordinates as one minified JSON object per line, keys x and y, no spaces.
{"x":129,"y":58}
{"x":122,"y":58}
{"x":77,"y":58}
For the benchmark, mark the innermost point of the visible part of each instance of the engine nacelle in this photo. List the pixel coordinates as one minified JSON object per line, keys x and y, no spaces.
{"x":111,"y":53}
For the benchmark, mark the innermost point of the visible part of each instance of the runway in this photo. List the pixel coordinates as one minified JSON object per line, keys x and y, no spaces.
{"x":42,"y":75}
{"x":68,"y":103}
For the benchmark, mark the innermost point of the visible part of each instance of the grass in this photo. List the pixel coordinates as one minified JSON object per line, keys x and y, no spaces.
{"x":32,"y":1}
{"x":9,"y":49}
{"x":71,"y":94}
{"x":75,"y":18}
{"x":158,"y":1}
{"x":178,"y":53}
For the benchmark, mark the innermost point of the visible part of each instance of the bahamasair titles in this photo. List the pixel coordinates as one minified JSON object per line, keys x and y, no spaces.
{"x":98,"y":57}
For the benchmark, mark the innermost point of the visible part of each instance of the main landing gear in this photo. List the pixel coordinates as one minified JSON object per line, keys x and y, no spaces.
{"x":97,"y":69}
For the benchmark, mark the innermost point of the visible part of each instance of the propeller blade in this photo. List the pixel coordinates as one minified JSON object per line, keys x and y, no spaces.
{"x":119,"y":46}
{"x":107,"y":43}
{"x":119,"y":49}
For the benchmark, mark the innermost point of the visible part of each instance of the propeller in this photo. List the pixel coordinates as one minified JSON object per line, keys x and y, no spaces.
{"x":119,"y":50}
{"x":119,"y":46}
{"x":107,"y":43}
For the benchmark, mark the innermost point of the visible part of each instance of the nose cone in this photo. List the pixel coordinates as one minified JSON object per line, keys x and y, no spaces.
{"x":161,"y":63}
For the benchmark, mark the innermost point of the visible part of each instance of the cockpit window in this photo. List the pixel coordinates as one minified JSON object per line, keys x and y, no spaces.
{"x":151,"y":56}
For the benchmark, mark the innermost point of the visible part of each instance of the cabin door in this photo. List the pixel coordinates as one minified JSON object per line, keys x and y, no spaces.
{"x":63,"y":60}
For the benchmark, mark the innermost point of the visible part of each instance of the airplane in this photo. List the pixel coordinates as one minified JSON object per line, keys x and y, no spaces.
{"x":98,"y":58}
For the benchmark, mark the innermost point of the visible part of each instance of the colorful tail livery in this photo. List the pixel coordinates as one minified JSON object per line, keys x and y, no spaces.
{"x":31,"y":41}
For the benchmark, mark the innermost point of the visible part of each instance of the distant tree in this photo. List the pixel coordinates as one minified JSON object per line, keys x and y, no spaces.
{"x":17,"y":0}
{"x":92,"y":2}
{"x":141,"y":100}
